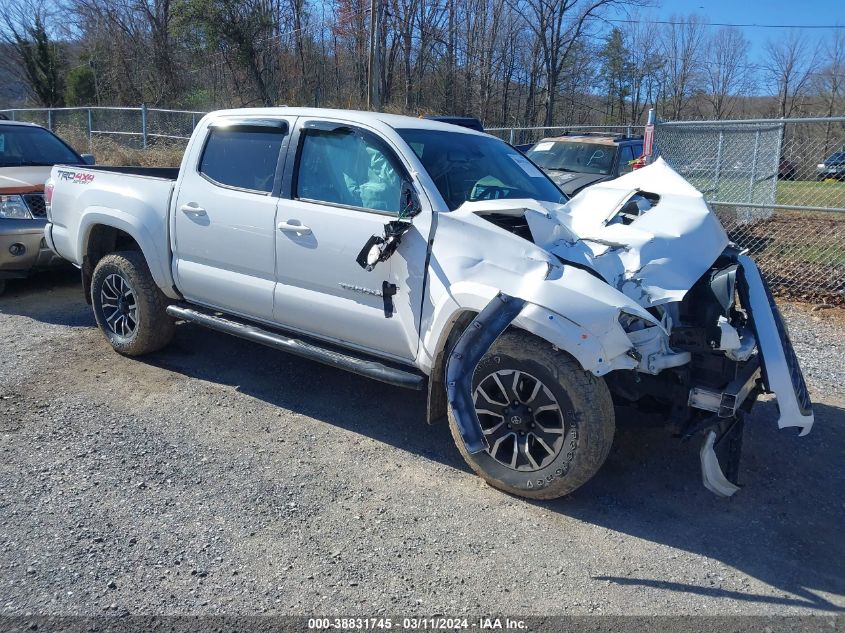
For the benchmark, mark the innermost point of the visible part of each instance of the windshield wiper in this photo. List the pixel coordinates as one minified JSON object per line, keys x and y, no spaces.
{"x":560,"y":169}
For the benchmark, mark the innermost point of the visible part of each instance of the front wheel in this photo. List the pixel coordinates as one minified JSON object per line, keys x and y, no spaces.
{"x":128,"y":305}
{"x":548,"y":423}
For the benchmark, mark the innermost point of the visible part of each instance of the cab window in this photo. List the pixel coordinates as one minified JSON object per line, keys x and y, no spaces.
{"x":350,"y":168}
{"x":242,"y":156}
{"x":626,"y":158}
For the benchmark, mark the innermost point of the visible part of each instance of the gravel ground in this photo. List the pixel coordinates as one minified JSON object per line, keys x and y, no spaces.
{"x":222,"y":477}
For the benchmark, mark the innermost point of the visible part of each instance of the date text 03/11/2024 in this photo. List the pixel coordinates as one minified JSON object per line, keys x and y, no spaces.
{"x":414,"y":624}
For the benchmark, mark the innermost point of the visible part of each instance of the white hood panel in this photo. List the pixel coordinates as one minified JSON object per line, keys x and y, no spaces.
{"x":654,"y":259}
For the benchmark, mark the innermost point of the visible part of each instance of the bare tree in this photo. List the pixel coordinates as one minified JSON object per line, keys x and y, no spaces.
{"x":726,"y":75}
{"x":682,"y":44}
{"x":642,"y":41}
{"x":789,"y":66}
{"x":558,"y":25}
{"x":830,"y":82}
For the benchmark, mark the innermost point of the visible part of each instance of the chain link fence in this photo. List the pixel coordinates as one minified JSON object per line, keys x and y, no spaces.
{"x":136,"y":128}
{"x":778,"y":185}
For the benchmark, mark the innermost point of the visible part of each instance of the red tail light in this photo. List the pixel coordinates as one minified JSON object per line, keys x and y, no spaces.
{"x":48,"y":193}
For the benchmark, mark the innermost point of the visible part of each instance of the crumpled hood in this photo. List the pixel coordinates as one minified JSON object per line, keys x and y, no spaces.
{"x":571,"y":182}
{"x":654,"y":258}
{"x":23,"y":179}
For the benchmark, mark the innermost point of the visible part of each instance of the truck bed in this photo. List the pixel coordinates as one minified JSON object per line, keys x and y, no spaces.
{"x":132,"y":200}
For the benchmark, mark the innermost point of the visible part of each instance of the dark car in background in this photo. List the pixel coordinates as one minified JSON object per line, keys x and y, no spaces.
{"x":832,"y":167}
{"x":575,"y":162}
{"x":469,"y":122}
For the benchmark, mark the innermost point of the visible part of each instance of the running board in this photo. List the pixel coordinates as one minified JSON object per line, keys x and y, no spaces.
{"x":363,"y":367}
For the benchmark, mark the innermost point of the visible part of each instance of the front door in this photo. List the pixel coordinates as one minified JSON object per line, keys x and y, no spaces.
{"x":346,"y":184}
{"x":224,"y":219}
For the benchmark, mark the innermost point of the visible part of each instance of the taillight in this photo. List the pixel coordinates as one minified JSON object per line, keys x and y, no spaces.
{"x":48,"y":199}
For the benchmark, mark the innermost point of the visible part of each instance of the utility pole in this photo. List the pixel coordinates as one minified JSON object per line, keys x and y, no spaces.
{"x":375,"y":55}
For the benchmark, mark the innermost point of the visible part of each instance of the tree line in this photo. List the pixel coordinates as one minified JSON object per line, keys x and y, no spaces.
{"x":508,"y":62}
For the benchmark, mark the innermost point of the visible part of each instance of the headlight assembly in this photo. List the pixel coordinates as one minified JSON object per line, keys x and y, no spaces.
{"x":14,"y":208}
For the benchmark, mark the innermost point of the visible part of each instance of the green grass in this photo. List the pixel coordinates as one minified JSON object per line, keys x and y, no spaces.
{"x":810,"y":193}
{"x":803,"y":193}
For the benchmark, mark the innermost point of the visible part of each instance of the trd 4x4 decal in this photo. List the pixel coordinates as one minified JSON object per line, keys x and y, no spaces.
{"x":78,"y":177}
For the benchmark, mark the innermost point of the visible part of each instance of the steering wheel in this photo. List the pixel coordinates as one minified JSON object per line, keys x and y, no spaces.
{"x":490,"y":192}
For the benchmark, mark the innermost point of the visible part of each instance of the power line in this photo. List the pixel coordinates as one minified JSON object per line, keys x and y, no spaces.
{"x":744,"y":26}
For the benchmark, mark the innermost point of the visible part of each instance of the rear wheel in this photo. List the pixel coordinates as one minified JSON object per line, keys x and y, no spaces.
{"x":548,"y":423}
{"x":128,"y":305}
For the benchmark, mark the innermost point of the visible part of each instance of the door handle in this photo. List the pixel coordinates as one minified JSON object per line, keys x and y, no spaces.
{"x":294,"y":227}
{"x":192,"y":209}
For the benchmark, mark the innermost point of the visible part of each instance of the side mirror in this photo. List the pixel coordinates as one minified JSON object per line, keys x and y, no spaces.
{"x":89,"y":159}
{"x":409,"y":201}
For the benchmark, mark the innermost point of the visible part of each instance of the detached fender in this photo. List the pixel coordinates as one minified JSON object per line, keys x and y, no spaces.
{"x":460,"y":368}
{"x":155,"y":248}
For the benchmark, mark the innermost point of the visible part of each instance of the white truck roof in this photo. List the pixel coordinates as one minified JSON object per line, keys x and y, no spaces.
{"x":372,"y":119}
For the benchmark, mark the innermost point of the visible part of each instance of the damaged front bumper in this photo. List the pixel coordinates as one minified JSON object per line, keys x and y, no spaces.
{"x":782,"y":374}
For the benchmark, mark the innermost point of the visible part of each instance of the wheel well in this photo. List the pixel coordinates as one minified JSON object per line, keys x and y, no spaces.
{"x":103,"y":240}
{"x":437,"y":402}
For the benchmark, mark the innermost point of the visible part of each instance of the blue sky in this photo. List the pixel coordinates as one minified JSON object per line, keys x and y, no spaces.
{"x":797,"y":12}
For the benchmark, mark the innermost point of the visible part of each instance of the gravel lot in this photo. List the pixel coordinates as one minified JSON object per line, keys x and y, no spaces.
{"x":223,"y":477}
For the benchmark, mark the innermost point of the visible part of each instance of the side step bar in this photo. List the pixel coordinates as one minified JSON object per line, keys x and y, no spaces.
{"x":369,"y":368}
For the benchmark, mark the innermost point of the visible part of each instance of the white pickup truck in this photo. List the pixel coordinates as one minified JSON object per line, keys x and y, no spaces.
{"x":435,"y":257}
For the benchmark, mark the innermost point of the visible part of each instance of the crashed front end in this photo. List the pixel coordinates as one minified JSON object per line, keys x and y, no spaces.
{"x":642,"y":285}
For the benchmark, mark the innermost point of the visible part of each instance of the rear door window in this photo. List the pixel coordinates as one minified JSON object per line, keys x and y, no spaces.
{"x":243,"y":156}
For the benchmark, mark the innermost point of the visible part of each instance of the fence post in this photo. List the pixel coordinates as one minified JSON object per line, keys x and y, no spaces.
{"x":754,"y":167}
{"x":778,"y":153}
{"x":718,"y":164}
{"x":144,"y":125}
{"x":511,"y":136}
{"x":90,"y":132}
{"x":50,"y":119}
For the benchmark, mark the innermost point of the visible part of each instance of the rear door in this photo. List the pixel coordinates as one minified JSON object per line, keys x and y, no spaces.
{"x":224,"y":219}
{"x":344,"y":186}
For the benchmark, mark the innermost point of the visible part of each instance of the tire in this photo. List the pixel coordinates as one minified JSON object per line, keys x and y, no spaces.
{"x":122,"y":286}
{"x":584,"y":425}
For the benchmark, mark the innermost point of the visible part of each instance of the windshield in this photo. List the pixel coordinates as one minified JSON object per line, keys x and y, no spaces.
{"x":584,"y":158}
{"x":22,"y":145}
{"x":468,"y":167}
{"x":836,"y":159}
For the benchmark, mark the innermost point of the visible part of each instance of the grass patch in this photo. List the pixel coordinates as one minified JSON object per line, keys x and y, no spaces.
{"x":811,"y":193}
{"x":107,"y":151}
